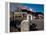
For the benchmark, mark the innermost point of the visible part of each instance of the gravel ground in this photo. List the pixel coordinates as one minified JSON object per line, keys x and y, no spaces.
{"x":39,"y":22}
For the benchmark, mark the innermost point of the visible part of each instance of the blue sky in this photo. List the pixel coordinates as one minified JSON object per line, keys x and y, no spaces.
{"x":35,"y":7}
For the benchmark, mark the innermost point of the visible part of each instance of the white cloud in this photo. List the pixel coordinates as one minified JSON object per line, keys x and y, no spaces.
{"x":31,"y":9}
